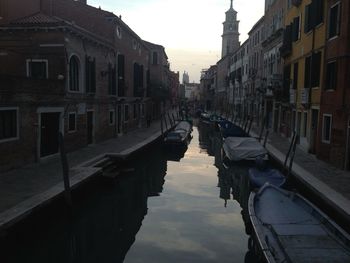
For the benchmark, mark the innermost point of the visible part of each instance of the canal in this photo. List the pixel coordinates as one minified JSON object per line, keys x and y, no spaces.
{"x":162,"y":207}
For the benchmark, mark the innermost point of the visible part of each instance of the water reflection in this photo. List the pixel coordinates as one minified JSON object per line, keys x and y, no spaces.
{"x":106,"y":217}
{"x":233,"y":180}
{"x":182,"y":207}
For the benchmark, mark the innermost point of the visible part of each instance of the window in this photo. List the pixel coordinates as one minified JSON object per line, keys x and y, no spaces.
{"x":134,"y":44}
{"x":317,"y":11}
{"x":316,"y":69}
{"x":312,"y":70}
{"x":287,"y":40}
{"x":307,"y":75}
{"x":72,"y":122}
{"x":112,"y":81}
{"x":331,"y":76}
{"x":138,"y":80}
{"x":8,"y":123}
{"x":111,"y":117}
{"x":308,"y":18}
{"x":90,"y":74}
{"x":37,"y":69}
{"x":121,"y":75}
{"x":119,"y":32}
{"x":295,"y":75}
{"x":155,"y":58}
{"x":126,"y":112}
{"x":326,"y":128}
{"x":334,"y":21}
{"x":74,"y":74}
{"x":296,"y":28}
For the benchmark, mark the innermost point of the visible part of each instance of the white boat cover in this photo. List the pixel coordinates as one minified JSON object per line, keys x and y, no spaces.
{"x":243,"y":148}
{"x":183,"y":125}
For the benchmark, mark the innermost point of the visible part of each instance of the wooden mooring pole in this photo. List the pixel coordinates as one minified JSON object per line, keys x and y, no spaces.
{"x":170,"y":120}
{"x":65,"y":170}
{"x":161,"y":125}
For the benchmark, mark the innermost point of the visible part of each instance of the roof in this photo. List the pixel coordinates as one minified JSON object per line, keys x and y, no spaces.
{"x":155,"y":46}
{"x":260,"y":21}
{"x":36,"y":19}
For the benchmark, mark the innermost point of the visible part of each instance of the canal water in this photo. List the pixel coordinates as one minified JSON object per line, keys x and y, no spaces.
{"x":162,"y":207}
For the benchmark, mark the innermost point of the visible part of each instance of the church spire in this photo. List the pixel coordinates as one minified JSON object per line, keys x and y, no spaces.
{"x":231,"y":7}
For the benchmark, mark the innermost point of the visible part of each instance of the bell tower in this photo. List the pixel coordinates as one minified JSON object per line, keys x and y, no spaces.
{"x":230,"y":36}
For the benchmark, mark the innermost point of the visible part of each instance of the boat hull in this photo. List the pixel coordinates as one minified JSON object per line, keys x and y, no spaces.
{"x":289,"y":228}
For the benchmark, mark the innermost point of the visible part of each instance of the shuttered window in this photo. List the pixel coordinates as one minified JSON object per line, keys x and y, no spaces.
{"x":121,"y":75}
{"x":74,"y":74}
{"x":37,"y":69}
{"x":317,"y":11}
{"x":295,"y":75}
{"x":331,"y":76}
{"x":327,"y":128}
{"x":308,"y":18}
{"x":316,"y":69}
{"x":72,"y":122}
{"x":334,"y":21}
{"x":112,"y":82}
{"x":307,"y":77}
{"x":90,"y":74}
{"x":296,"y":28}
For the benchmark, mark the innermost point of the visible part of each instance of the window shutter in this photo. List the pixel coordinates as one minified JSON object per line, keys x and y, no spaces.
{"x":93,"y":76}
{"x":308,"y":18}
{"x":295,"y":28}
{"x":87,"y":74}
{"x":307,"y":80}
{"x":114,"y":81}
{"x":318,"y":12}
{"x":316,"y":68}
{"x":295,"y":75}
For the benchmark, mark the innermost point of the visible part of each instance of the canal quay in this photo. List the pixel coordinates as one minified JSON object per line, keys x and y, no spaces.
{"x":164,"y":207}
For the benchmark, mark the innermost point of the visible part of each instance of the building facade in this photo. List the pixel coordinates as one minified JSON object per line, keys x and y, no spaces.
{"x":71,"y":68}
{"x":334,"y":123}
{"x":274,"y":98}
{"x":257,"y":86}
{"x":303,"y":51}
{"x":207,"y":87}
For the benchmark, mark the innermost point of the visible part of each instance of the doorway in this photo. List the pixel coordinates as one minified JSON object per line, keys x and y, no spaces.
{"x":313,"y":133}
{"x":90,"y":127}
{"x":119,"y":119}
{"x":49,"y":128}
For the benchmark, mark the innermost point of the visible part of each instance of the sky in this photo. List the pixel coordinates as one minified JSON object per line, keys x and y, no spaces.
{"x":190,"y":30}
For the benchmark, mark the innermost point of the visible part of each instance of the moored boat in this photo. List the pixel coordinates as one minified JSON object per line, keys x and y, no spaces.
{"x":288,"y":228}
{"x":180,"y":135}
{"x":258,"y":177}
{"x":243,"y":148}
{"x":229,"y":129}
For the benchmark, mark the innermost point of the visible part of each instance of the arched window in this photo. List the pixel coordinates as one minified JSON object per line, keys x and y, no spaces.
{"x":74,"y":73}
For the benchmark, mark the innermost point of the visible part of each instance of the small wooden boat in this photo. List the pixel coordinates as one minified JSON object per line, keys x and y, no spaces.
{"x":258,"y":177}
{"x":229,"y":129}
{"x":205,"y":117}
{"x":243,"y":148}
{"x":288,"y":228}
{"x":180,"y":135}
